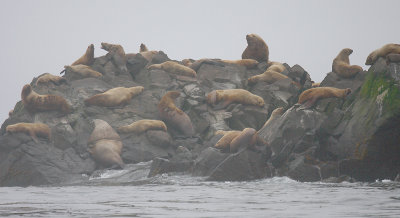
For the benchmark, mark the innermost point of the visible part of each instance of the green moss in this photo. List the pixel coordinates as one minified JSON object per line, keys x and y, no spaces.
{"x":377,"y":83}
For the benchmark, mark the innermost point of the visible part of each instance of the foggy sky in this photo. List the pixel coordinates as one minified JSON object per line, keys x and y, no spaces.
{"x":43,"y":36}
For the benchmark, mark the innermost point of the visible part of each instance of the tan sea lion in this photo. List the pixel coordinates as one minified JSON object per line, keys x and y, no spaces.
{"x":247,"y":137}
{"x":248,"y":63}
{"x":142,"y":126}
{"x":228,"y":96}
{"x":114,"y":97}
{"x":271,"y":75}
{"x":34,"y":102}
{"x":82,"y":71}
{"x":173,"y":115}
{"x":174,"y":68}
{"x":382,"y":52}
{"x":87,"y":58}
{"x":148,"y":55}
{"x":341,"y":64}
{"x":274,"y":114}
{"x":105,"y":145}
{"x":187,"y":62}
{"x":310,"y":96}
{"x":143,"y":48}
{"x":256,"y":48}
{"x":117,"y":54}
{"x":47,"y":77}
{"x":315,"y":85}
{"x":224,"y":142}
{"x":32,"y":129}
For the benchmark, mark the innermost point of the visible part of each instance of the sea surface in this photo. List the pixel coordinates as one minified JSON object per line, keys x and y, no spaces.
{"x":129,"y":193}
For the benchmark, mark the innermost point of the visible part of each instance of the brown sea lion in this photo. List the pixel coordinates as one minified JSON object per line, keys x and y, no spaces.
{"x":341,"y":64}
{"x":310,"y":96}
{"x":187,"y":62}
{"x":82,"y":71}
{"x":274,"y":114}
{"x":228,"y":96}
{"x":114,"y":97}
{"x":247,"y":137}
{"x":173,"y":115}
{"x":142,"y":126}
{"x":47,"y":77}
{"x":174,"y":68}
{"x":248,"y":63}
{"x":117,"y":54}
{"x":105,"y":145}
{"x":256,"y":49}
{"x":224,"y":142}
{"x":271,"y":75}
{"x":87,"y":58}
{"x":32,"y":129}
{"x":34,"y":102}
{"x":382,"y":52}
{"x":143,"y":48}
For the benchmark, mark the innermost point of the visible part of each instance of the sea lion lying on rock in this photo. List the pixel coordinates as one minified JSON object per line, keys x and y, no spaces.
{"x":228,"y":96}
{"x":142,"y":126}
{"x":34,"y":102}
{"x":271,"y":75}
{"x":32,"y":129}
{"x":256,"y":49}
{"x":173,"y":115}
{"x":233,"y":140}
{"x":87,"y":58}
{"x":174,"y":68}
{"x":310,"y":96}
{"x":47,"y":77}
{"x":274,"y":115}
{"x":105,"y":145}
{"x":382,"y":52}
{"x":341,"y":64}
{"x":114,"y":97}
{"x":81,"y":71}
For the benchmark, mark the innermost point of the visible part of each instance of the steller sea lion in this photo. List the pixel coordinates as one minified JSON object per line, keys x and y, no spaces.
{"x":10,"y":113}
{"x":228,"y":96}
{"x":82,"y":71}
{"x":247,"y":137}
{"x":142,"y":126}
{"x":248,"y":63}
{"x":256,"y":48}
{"x":105,"y":145}
{"x":47,"y":77}
{"x":35,"y":102}
{"x":174,"y":68}
{"x":32,"y":129}
{"x":173,"y":115}
{"x":274,"y":114}
{"x":224,"y":142}
{"x":117,"y":54}
{"x":314,"y":84}
{"x":114,"y":97}
{"x":310,"y":96}
{"x":341,"y":64}
{"x":143,"y":48}
{"x":382,"y":52}
{"x":87,"y":58}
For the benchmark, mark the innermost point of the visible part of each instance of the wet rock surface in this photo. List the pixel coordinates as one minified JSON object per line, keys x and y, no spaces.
{"x":335,"y":139}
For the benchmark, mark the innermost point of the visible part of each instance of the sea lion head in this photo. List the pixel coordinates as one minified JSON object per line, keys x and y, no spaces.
{"x":347,"y":92}
{"x":260,"y":101}
{"x":348,"y":51}
{"x":252,"y":39}
{"x":370,"y":59}
{"x":26,"y":90}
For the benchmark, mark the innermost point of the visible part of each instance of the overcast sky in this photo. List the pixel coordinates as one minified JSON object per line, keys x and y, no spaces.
{"x":43,"y":36}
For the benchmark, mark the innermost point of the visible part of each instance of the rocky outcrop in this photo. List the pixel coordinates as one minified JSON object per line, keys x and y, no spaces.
{"x":353,"y":138}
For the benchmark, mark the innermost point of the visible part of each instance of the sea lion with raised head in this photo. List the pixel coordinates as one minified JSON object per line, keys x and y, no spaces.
{"x":341,"y":64}
{"x":256,"y":48}
{"x":117,"y":54}
{"x":87,"y":58}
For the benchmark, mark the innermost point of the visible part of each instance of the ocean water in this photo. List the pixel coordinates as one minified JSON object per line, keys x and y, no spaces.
{"x":129,"y":193}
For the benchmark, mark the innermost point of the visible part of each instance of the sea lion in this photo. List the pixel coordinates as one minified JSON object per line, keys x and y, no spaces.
{"x":148,"y":55}
{"x":224,"y":142}
{"x":142,"y":126}
{"x":35,"y":102}
{"x":47,"y":77}
{"x":382,"y":52}
{"x":271,"y":75}
{"x":314,"y":84}
{"x":87,"y":58}
{"x":82,"y":71}
{"x":32,"y":129}
{"x":174,"y":68}
{"x":117,"y":54}
{"x":105,"y":145}
{"x":310,"y":96}
{"x":187,"y":62}
{"x":274,"y":114}
{"x":143,"y":48}
{"x":114,"y":97}
{"x":223,"y":132}
{"x":173,"y":115}
{"x":256,"y":48}
{"x":341,"y":64}
{"x":228,"y":96}
{"x":248,"y":63}
{"x":10,"y":113}
{"x":247,"y":137}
